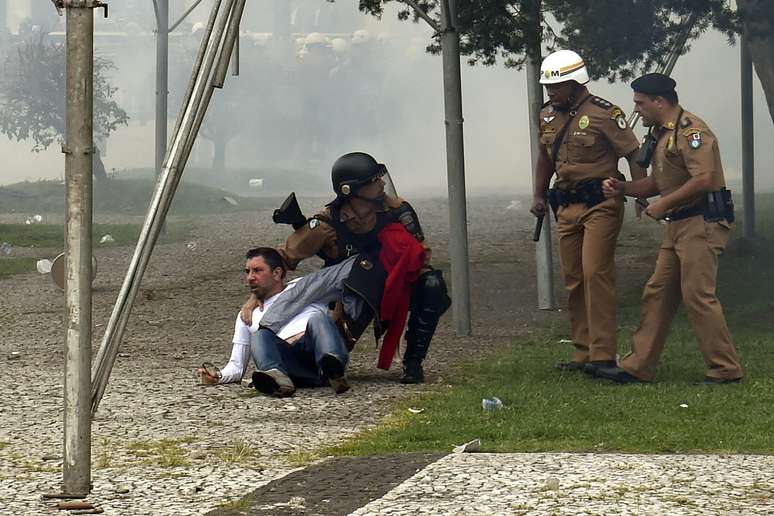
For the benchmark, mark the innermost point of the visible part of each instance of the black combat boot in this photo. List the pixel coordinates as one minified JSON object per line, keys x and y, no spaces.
{"x":412,"y":372}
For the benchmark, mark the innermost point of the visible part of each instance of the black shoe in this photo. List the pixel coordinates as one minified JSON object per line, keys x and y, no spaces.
{"x":333,"y":369}
{"x":591,"y":368}
{"x":709,"y":380}
{"x":274,"y":383}
{"x":617,"y":374}
{"x":412,"y":373}
{"x":570,"y":366}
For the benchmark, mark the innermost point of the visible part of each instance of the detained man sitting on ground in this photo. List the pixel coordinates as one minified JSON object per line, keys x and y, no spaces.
{"x":307,"y":350}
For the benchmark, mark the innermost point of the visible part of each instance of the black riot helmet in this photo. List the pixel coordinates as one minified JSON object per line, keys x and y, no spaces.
{"x":353,"y":170}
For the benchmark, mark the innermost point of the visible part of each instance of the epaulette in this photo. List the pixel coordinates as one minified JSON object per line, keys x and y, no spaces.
{"x":599,"y":101}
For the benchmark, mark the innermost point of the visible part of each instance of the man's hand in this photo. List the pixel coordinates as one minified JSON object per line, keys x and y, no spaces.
{"x":247,"y":309}
{"x":657,"y":209}
{"x":207,"y":379}
{"x":612,"y":187}
{"x":538,"y":206}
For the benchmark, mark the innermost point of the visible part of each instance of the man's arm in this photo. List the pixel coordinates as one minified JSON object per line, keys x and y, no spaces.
{"x":321,"y":286}
{"x":543,"y":172}
{"x":236,"y":367}
{"x":642,"y":188}
{"x":695,"y":186}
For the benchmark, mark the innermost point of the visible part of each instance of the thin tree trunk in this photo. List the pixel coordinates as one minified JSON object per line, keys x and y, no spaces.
{"x":758,"y":28}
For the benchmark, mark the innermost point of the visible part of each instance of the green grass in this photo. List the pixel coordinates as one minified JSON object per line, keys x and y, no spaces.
{"x":51,"y":236}
{"x":549,"y":411}
{"x":165,"y":453}
{"x":11,"y":266}
{"x":130,"y":196}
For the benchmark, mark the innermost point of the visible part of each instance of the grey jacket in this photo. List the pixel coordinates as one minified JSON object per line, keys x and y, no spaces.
{"x":323,"y":286}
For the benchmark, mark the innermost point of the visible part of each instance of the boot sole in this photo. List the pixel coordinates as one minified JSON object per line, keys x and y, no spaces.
{"x":333,"y":370}
{"x":265,"y":384}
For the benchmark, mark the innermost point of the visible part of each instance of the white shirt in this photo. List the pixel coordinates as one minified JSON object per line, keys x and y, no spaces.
{"x":236,"y":367}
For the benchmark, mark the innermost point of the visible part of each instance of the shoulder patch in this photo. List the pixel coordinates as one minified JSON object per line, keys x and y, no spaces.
{"x":686,"y":122}
{"x":599,"y":101}
{"x":615,"y":113}
{"x":313,"y":223}
{"x":694,"y":138}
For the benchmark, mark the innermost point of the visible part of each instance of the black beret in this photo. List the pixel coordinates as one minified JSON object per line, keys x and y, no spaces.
{"x":654,"y":84}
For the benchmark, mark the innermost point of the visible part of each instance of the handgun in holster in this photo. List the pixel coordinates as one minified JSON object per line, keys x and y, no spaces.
{"x":645,"y":152}
{"x":289,"y":213}
{"x":719,"y":206}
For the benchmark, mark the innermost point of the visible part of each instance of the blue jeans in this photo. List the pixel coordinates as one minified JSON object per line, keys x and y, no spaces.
{"x":300,"y":361}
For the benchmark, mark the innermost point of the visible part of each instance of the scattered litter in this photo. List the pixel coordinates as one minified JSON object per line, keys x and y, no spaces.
{"x":491,"y":404}
{"x":15,"y":355}
{"x":124,"y":355}
{"x":416,"y":410}
{"x":107,"y":239}
{"x":552,"y":484}
{"x":37,"y":219}
{"x":28,"y":221}
{"x":192,"y":245}
{"x":5,"y":248}
{"x":515,"y":205}
{"x":565,"y":341}
{"x":291,"y":408}
{"x":74,"y":505}
{"x":255,"y":183}
{"x":469,"y":447}
{"x":298,"y":502}
{"x":683,"y":405}
{"x":44,"y":266}
{"x":231,"y":200}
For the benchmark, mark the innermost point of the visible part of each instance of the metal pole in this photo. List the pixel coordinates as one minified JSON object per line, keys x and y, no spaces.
{"x":748,"y":142}
{"x":455,"y":165}
{"x":162,"y":81}
{"x":78,"y":151}
{"x":543,"y":257}
{"x":162,"y":197}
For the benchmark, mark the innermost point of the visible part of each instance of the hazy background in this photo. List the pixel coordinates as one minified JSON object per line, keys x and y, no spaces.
{"x":300,"y":108}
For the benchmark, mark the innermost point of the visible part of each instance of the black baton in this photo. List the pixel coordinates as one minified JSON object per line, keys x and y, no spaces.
{"x":538,"y":228}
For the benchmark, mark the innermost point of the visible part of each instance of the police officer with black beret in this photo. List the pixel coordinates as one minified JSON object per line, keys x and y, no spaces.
{"x":687,"y":173}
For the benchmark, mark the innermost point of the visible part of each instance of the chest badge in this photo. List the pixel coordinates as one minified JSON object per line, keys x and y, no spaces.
{"x":584,"y":122}
{"x":549,"y":119}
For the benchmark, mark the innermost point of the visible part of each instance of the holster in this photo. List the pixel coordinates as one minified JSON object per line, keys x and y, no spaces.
{"x":289,"y":213}
{"x":719,"y":206}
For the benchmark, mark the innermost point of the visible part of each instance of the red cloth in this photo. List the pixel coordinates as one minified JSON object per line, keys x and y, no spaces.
{"x":403,"y":258}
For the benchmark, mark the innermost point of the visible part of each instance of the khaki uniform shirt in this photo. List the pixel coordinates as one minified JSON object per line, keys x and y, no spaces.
{"x":597,"y":137}
{"x":317,"y":235}
{"x":686,"y":148}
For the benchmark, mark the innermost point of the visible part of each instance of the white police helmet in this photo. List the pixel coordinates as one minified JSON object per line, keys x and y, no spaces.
{"x":561,"y":66}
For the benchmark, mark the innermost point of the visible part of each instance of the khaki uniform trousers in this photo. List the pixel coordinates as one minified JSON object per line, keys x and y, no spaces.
{"x":686,"y":269}
{"x":587,"y":238}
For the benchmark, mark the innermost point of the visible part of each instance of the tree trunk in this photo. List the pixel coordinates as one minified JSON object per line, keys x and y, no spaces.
{"x":98,"y":168}
{"x":219,"y":156}
{"x":758,"y":28}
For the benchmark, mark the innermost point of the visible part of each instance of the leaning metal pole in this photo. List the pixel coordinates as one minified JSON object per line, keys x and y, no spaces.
{"x":78,"y":149}
{"x":107,"y":351}
{"x":455,"y":165}
{"x":174,"y":163}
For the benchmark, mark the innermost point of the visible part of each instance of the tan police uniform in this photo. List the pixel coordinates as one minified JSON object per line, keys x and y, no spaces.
{"x":687,"y":262}
{"x":317,"y":236}
{"x":595,"y":139}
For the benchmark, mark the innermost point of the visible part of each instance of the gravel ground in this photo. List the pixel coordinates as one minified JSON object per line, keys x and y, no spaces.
{"x":163,"y":444}
{"x":599,"y":484}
